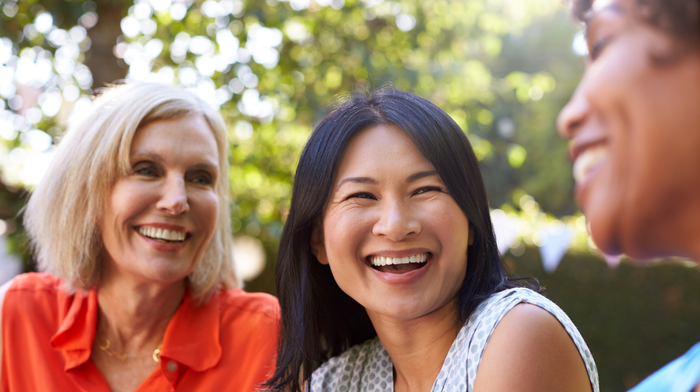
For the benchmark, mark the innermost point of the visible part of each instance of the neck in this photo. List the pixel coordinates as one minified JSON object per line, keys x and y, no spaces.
{"x":418,"y":347}
{"x":134,"y":315}
{"x":671,"y":236}
{"x":688,"y":234}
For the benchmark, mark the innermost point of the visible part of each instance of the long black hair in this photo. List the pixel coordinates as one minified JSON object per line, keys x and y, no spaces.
{"x":319,"y":320}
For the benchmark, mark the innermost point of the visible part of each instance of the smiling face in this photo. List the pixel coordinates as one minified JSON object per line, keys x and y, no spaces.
{"x":159,"y":219}
{"x":635,"y":128}
{"x":395,"y":240}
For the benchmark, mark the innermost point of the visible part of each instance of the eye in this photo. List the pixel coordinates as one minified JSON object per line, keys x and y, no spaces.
{"x":598,"y":48}
{"x":427,"y":189}
{"x":145,"y":169}
{"x":362,"y":195}
{"x":202,"y":179}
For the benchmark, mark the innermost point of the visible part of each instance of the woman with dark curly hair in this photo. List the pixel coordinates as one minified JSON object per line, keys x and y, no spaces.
{"x":388,"y":274}
{"x":634,"y":122}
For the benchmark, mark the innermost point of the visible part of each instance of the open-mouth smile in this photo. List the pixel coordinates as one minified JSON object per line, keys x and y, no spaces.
{"x":399,"y":265}
{"x":163,"y":235}
{"x":589,"y":161}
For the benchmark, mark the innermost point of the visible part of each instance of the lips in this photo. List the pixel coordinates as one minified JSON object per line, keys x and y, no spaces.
{"x":399,"y":264}
{"x":589,"y":161}
{"x":164,"y":236}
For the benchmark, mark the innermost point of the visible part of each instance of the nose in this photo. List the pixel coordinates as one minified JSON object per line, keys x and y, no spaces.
{"x":173,"y":200}
{"x":573,"y":115}
{"x":397,"y":222}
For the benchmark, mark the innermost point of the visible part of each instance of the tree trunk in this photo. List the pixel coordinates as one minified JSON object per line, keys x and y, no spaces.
{"x":103,"y":64}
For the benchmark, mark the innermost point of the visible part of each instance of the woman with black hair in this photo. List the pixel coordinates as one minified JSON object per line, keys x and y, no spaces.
{"x":388,"y":274}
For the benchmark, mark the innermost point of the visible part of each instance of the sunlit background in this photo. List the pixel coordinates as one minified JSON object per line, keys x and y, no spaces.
{"x":501,"y":68}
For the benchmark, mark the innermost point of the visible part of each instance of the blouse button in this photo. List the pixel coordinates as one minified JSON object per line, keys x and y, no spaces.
{"x":172,"y":366}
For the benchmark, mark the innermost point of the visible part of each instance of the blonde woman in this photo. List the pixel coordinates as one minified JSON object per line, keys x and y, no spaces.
{"x":131,"y":231}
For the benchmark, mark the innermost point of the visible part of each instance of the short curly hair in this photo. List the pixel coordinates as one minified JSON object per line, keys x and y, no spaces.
{"x":680,"y":18}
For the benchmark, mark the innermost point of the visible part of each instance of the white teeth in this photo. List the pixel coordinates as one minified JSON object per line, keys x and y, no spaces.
{"x":161,"y":234}
{"x":589,"y":159}
{"x":379,"y":261}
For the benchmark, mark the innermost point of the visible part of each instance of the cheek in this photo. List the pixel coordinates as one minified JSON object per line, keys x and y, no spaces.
{"x":126,"y":201}
{"x":614,"y":78}
{"x":343,"y":232}
{"x":448,"y":222}
{"x":453,"y":229}
{"x":205,"y":209}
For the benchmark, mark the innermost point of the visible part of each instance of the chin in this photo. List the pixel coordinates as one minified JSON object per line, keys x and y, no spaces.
{"x":634,"y":240}
{"x":407,"y":309}
{"x":402,"y":314}
{"x":606,"y":243}
{"x":166,"y":274}
{"x":602,"y":208}
{"x":644,"y":247}
{"x":399,"y":310}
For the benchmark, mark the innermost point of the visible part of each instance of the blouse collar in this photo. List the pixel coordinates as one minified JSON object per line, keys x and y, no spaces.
{"x":191,"y":338}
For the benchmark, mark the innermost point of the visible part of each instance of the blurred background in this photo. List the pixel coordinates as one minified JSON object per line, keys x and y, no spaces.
{"x":501,"y":68}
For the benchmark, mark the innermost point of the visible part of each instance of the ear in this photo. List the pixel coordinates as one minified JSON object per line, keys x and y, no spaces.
{"x":318,"y":247}
{"x":471,"y":235}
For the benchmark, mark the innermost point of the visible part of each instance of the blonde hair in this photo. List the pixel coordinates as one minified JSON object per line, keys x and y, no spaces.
{"x":62,"y":213}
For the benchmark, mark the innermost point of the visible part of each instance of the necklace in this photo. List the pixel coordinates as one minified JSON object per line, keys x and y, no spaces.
{"x":105,"y":347}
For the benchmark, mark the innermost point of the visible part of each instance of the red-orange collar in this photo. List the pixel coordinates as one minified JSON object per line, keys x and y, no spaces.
{"x":191,"y":338}
{"x":77,"y":329}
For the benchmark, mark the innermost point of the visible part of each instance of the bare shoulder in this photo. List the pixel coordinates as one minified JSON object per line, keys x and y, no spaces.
{"x":531,"y":351}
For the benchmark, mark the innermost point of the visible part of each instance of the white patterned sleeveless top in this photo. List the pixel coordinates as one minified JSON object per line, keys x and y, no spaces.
{"x":367,"y":367}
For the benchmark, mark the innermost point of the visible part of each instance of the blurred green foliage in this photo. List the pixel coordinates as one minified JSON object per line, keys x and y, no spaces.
{"x":502,"y":69}
{"x":484,"y":62}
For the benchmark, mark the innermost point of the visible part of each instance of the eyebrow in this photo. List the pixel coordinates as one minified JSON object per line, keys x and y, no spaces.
{"x":357,"y":180}
{"x":149,"y":156}
{"x":419,"y":175}
{"x":592,"y":14}
{"x":368,"y":180}
{"x":205,"y":166}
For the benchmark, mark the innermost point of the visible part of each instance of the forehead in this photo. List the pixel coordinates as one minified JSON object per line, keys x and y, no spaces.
{"x":189,"y":134}
{"x":598,"y":6}
{"x":381,"y":146}
{"x":618,"y":8}
{"x":601,"y":4}
{"x":383,"y":137}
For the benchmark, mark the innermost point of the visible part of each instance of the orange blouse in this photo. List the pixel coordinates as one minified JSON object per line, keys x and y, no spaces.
{"x":229,"y":343}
